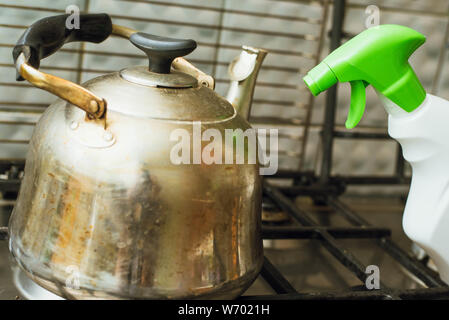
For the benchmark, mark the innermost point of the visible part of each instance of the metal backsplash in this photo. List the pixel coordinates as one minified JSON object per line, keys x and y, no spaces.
{"x":295,"y":33}
{"x":291,"y":31}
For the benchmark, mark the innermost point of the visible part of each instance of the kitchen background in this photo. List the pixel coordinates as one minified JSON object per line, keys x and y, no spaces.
{"x":296,"y":34}
{"x":292,"y":31}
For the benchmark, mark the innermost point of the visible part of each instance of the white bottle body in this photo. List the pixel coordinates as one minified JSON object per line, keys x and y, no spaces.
{"x":424,"y":137}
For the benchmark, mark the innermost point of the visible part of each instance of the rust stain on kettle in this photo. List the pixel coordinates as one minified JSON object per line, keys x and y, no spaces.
{"x":69,"y":245}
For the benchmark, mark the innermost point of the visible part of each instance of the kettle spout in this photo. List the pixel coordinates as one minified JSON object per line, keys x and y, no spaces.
{"x":243,"y":72}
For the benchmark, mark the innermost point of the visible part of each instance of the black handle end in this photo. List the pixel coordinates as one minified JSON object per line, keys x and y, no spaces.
{"x":161,"y":51}
{"x":46,"y":36}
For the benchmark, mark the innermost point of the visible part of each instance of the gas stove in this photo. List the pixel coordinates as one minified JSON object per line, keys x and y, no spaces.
{"x":316,"y":247}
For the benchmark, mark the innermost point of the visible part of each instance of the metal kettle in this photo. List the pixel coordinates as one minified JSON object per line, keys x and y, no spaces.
{"x":102,"y":212}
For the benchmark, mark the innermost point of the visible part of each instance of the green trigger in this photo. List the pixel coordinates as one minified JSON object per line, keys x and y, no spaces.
{"x":358,"y":100}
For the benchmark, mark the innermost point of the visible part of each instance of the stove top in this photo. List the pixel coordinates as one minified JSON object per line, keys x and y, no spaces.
{"x":316,"y":247}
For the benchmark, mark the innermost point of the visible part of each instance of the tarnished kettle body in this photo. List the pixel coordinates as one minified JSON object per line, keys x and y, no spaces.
{"x":123,"y":218}
{"x":103,"y":212}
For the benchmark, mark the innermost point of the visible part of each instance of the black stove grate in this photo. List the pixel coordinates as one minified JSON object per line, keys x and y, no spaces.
{"x":328,"y":237}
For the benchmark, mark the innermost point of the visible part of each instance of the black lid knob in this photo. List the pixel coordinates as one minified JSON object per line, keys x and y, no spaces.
{"x":161,"y":51}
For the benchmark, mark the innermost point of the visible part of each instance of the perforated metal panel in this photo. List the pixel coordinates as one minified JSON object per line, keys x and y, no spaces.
{"x":290,"y":30}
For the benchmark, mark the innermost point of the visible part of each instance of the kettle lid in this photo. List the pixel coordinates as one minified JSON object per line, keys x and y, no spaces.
{"x":175,"y":79}
{"x":161,"y":51}
{"x":157,"y":91}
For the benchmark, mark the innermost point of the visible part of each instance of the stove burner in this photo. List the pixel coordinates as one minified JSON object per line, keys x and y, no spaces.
{"x":29,"y":289}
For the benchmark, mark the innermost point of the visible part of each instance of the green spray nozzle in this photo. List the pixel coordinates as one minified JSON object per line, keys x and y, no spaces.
{"x":379,"y":57}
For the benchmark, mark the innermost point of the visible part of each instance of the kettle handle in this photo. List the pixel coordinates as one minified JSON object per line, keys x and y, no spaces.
{"x":48,"y":35}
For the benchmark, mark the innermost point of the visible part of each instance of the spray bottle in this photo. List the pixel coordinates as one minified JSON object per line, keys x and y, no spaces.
{"x":417,"y":120}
